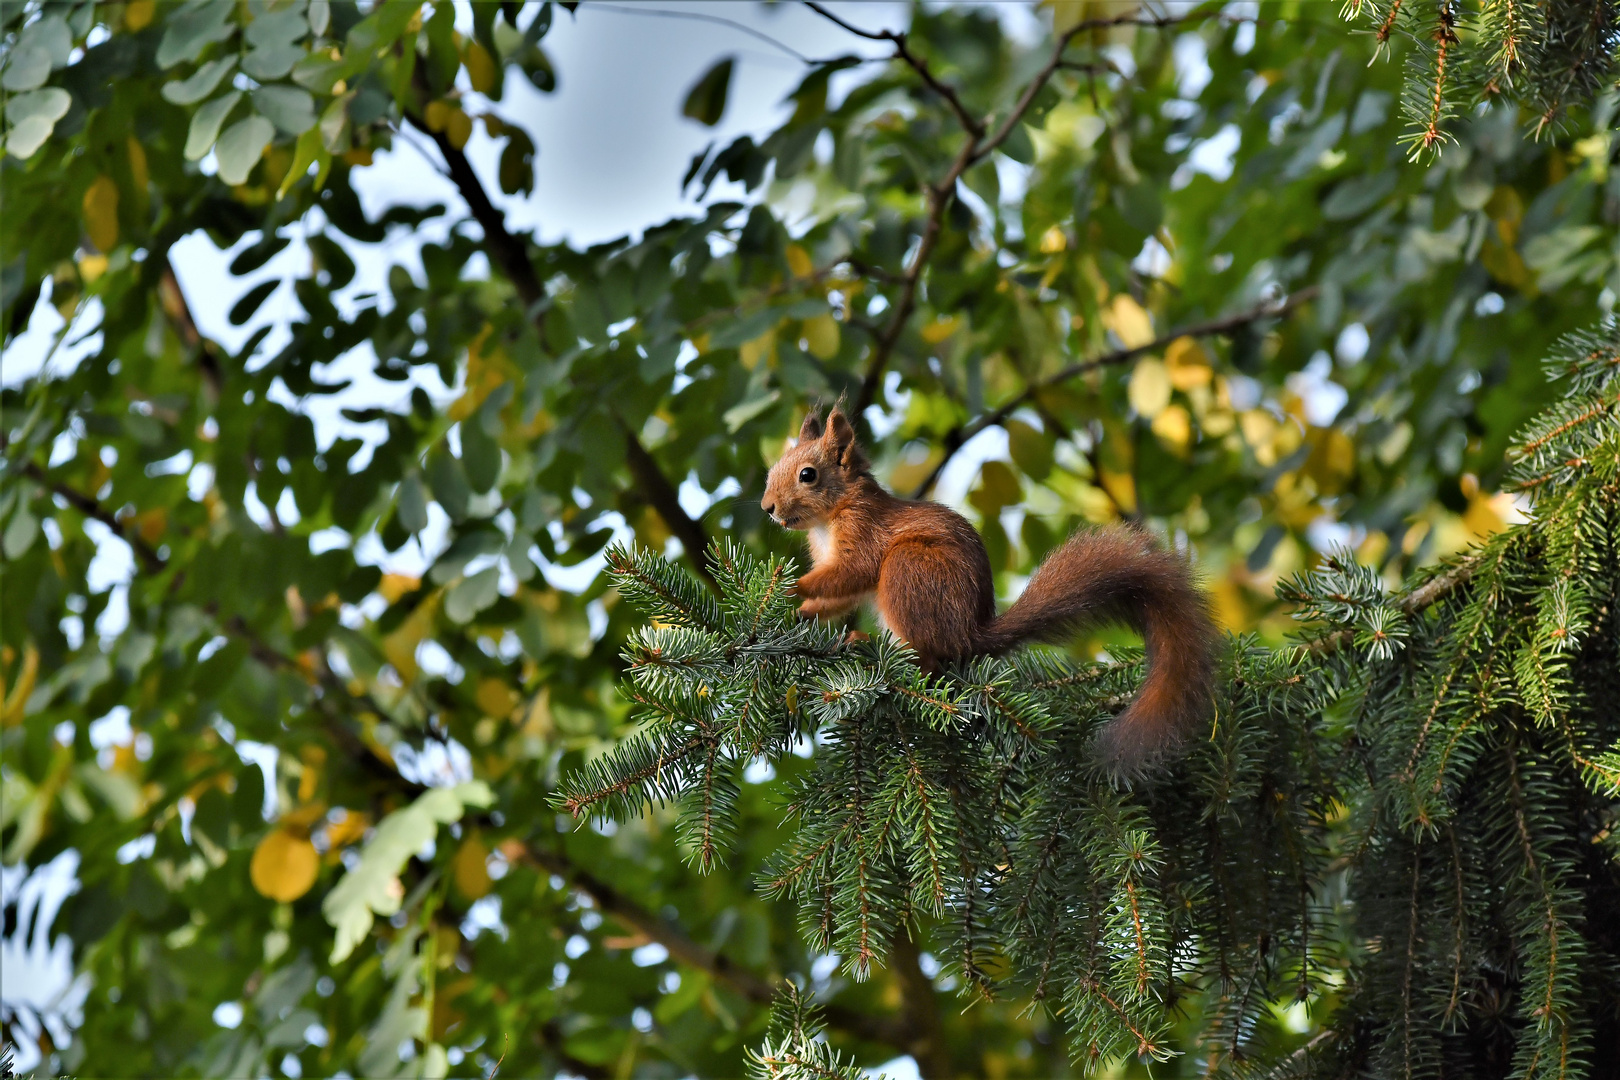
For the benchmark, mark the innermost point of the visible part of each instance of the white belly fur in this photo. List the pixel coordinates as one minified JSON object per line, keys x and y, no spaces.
{"x":821,"y":544}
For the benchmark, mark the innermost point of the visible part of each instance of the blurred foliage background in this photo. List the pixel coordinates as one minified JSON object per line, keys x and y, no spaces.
{"x":294,"y":703}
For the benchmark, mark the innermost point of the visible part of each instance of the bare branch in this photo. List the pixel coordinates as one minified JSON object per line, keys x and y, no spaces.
{"x":151,"y":561}
{"x":632,"y":916}
{"x":978,"y":146}
{"x":902,"y":52}
{"x":957,"y":437}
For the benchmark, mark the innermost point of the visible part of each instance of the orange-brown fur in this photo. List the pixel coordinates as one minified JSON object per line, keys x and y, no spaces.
{"x":926,"y":568}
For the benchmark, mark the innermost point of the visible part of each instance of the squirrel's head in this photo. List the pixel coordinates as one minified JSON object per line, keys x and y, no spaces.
{"x":814,"y":473}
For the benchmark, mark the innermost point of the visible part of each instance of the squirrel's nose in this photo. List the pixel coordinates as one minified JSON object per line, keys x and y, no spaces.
{"x":769,"y":507}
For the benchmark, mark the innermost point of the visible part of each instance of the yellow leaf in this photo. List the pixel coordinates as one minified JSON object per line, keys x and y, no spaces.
{"x":481,"y":71}
{"x":1487,"y":514}
{"x":458,"y":129}
{"x":469,"y":870}
{"x":1126,"y":318}
{"x":152,"y":524}
{"x":799,"y":262}
{"x":822,"y":334}
{"x":1188,"y":364}
{"x":400,"y":646}
{"x":485,"y":371}
{"x":761,"y":348}
{"x":1053,"y":240}
{"x":1121,"y":487}
{"x":351,"y":828}
{"x":394,"y":586}
{"x":940,"y":329}
{"x":437,"y":114}
{"x":138,"y":14}
{"x":101,"y":213}
{"x":17,"y":700}
{"x":496,"y":698}
{"x":1174,"y":427}
{"x":91,"y":267}
{"x":1149,"y":389}
{"x":138,"y":171}
{"x":284,"y":866}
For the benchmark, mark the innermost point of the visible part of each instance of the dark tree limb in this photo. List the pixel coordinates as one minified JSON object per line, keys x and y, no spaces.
{"x":958,"y":436}
{"x":920,"y":1010}
{"x":663,"y":497}
{"x":981,"y":142}
{"x":151,"y":561}
{"x":632,"y":916}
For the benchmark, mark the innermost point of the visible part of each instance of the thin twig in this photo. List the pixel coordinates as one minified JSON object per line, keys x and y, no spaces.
{"x":979,"y":145}
{"x":87,"y":505}
{"x":957,"y":437}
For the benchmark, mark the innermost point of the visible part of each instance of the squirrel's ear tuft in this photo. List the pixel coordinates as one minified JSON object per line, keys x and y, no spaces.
{"x":841,"y":437}
{"x":810,"y":430}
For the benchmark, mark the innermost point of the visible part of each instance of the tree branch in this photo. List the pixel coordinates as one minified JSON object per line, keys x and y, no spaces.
{"x":1414,"y":603}
{"x":969,"y":124}
{"x":682,"y":948}
{"x":151,"y":561}
{"x":978,"y":146}
{"x":511,"y":255}
{"x":958,"y":436}
{"x":663,"y":497}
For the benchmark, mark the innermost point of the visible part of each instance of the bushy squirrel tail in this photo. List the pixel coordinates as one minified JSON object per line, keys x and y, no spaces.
{"x":1118,"y":574}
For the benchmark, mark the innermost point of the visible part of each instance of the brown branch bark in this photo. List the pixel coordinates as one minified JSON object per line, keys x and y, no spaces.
{"x":957,"y":437}
{"x":151,"y":561}
{"x":1413,"y":603}
{"x":632,"y":916}
{"x":920,"y":1010}
{"x":980,"y":143}
{"x":510,"y":254}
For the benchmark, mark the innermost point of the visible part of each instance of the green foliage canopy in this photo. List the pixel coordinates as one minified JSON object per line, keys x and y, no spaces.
{"x":979,"y":236}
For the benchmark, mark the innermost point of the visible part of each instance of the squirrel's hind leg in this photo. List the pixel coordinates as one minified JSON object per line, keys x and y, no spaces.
{"x":926,"y":600}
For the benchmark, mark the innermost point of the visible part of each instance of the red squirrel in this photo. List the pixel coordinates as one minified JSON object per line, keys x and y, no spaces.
{"x":926,"y":567}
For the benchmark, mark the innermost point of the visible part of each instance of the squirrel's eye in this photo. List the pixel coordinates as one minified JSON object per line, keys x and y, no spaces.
{"x":807,"y":475}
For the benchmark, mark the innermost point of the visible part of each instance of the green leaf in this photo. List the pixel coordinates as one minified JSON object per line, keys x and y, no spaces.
{"x":28,"y":66}
{"x":200,"y":84}
{"x":307,"y":152}
{"x":33,"y":117}
{"x":706,"y":101}
{"x":241,"y":146}
{"x":198,"y":25}
{"x":738,"y":415}
{"x":205,"y":125}
{"x":473,"y":594}
{"x":320,"y":16}
{"x":292,"y":110}
{"x":243,"y":309}
{"x":373,"y":887}
{"x":1031,"y":450}
{"x":273,"y":29}
{"x":480,"y":455}
{"x":412,"y":506}
{"x":43,"y":44}
{"x":273,"y":62}
{"x":20,"y":532}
